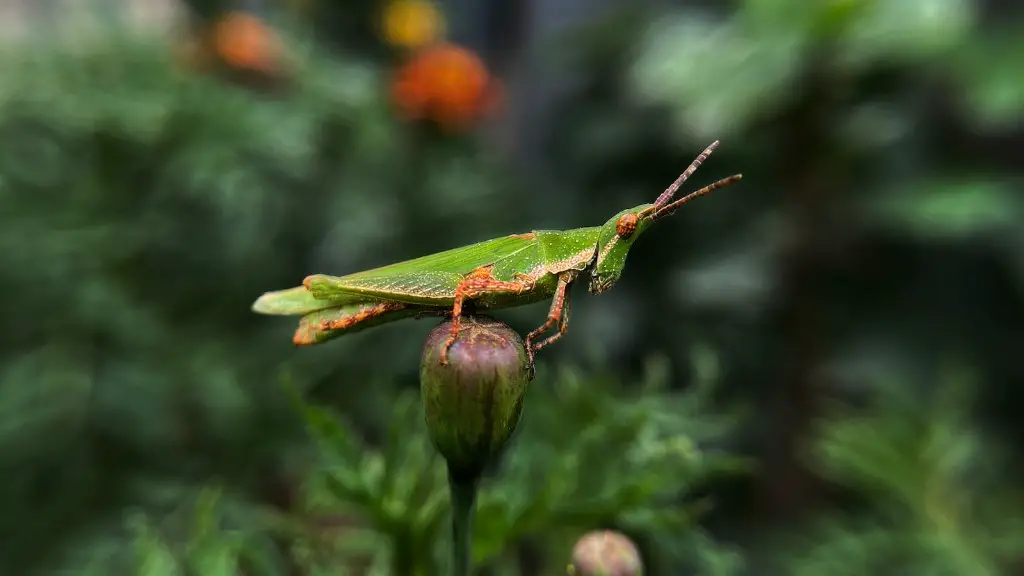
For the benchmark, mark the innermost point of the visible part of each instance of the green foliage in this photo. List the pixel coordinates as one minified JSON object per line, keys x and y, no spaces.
{"x":949,"y":208}
{"x":203,"y":554}
{"x":985,"y":68}
{"x":143,"y":207}
{"x":385,"y":510}
{"x":559,"y":478}
{"x":940,"y":502}
{"x":748,"y":63}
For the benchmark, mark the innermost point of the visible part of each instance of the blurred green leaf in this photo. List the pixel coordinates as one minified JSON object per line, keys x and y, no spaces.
{"x":951,"y":208}
{"x":988,"y":70}
{"x":911,"y":31}
{"x":154,"y":559}
{"x":215,"y":559}
{"x":919,"y":462}
{"x":717,"y":77}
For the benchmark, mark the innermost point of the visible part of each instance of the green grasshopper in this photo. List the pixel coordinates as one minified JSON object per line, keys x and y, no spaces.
{"x":501,"y":273}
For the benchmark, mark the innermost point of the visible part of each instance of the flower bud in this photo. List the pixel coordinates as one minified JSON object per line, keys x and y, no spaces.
{"x":473,"y":402}
{"x":605,"y":553}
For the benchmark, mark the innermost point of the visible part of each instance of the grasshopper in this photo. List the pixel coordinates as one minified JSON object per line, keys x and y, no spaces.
{"x":504,"y":272}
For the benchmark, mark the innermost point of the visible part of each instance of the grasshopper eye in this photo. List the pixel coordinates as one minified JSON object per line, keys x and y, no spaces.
{"x":626,"y":225}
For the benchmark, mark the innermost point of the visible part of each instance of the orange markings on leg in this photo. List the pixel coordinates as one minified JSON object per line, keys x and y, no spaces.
{"x":563,"y":326}
{"x":364,"y":313}
{"x":557,"y":314}
{"x":306,"y":334}
{"x":477,"y":283}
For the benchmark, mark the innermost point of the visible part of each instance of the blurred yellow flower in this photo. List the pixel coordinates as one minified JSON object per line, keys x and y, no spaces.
{"x":412,"y":23}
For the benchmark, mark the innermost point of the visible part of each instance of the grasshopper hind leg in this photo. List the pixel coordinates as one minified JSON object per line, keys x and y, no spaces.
{"x":328,"y":323}
{"x":478,"y":283}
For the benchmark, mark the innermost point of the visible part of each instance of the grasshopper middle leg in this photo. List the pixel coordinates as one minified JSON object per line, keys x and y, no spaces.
{"x":561,"y":306}
{"x":478,"y":283}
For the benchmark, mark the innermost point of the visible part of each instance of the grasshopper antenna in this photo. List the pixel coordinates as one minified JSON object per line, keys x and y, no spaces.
{"x":669,"y":192}
{"x":670,"y":208}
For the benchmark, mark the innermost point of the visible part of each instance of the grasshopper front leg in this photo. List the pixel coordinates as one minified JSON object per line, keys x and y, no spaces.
{"x":561,"y":306}
{"x":478,"y":283}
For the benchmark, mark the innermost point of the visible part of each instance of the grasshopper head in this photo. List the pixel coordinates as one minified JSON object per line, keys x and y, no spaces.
{"x":617,"y":236}
{"x":619,"y":233}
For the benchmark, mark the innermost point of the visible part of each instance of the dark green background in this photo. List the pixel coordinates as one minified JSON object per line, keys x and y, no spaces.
{"x":857,"y":301}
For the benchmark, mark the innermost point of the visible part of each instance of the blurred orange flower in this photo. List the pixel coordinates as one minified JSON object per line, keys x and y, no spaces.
{"x":447,"y":84}
{"x":412,"y":23}
{"x":243,"y":42}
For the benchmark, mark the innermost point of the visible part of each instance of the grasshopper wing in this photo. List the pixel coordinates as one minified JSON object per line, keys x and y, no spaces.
{"x":429,"y":280}
{"x":299,"y":301}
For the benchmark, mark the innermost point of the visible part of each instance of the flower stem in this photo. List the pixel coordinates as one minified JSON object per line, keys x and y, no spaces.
{"x":463,"y":492}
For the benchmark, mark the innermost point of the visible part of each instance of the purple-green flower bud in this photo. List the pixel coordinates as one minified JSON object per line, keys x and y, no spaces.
{"x":605,"y":553}
{"x":473,"y":403}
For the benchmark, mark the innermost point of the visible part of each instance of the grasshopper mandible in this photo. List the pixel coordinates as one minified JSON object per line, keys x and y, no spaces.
{"x":500,"y":273}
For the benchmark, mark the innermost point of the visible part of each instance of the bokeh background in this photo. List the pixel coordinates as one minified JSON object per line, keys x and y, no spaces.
{"x":815,"y":371}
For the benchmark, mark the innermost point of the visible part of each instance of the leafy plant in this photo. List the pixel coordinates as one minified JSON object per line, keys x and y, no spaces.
{"x":937,"y":500}
{"x":561,"y":477}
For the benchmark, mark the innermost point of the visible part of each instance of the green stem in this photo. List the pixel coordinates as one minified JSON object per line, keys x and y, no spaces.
{"x":463,"y":492}
{"x":403,"y":554}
